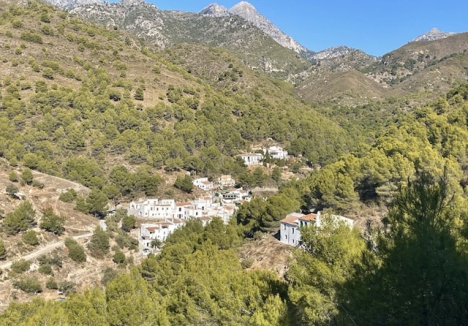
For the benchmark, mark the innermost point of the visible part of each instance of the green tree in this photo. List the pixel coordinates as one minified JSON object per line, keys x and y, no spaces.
{"x":20,"y":266}
{"x":119,"y":257}
{"x":13,"y":176}
{"x":52,"y":222}
{"x":28,"y":285}
{"x":99,"y":244}
{"x":416,"y":278}
{"x":27,"y":176}
{"x":128,"y":223}
{"x":30,"y":238}
{"x":331,"y":253}
{"x":20,"y":219}
{"x":75,"y":250}
{"x":11,"y":190}
{"x":184,"y":183}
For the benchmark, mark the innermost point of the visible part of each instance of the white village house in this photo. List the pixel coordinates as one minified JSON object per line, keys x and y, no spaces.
{"x":204,"y":184}
{"x":226,"y":181}
{"x":252,"y":158}
{"x":290,"y":226}
{"x":276,"y":152}
{"x":169,"y":209}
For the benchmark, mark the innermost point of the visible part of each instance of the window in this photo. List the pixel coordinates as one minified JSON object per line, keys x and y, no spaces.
{"x":293,"y":231}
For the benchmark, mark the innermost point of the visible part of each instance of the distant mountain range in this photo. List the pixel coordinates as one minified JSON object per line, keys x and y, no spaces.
{"x":259,"y":44}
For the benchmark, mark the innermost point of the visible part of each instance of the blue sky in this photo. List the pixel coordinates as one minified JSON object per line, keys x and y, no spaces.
{"x":376,"y":27}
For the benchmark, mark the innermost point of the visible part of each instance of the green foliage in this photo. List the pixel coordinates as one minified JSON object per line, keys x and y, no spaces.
{"x":109,"y":275}
{"x":27,"y":176}
{"x":68,"y":196}
{"x":45,"y":269}
{"x":13,"y":176}
{"x":119,"y":257}
{"x":52,"y":222}
{"x":331,"y":253}
{"x":75,"y":250}
{"x":11,"y":189}
{"x":31,"y":37}
{"x":28,"y":285}
{"x":95,"y":203}
{"x":99,"y":244}
{"x":20,"y":266}
{"x":3,"y":251}
{"x":51,"y":284}
{"x":19,"y":220}
{"x":184,"y":183}
{"x":30,"y":238}
{"x":128,"y":223}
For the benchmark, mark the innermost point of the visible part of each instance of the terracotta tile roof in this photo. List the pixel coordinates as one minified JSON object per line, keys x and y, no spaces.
{"x":290,"y":219}
{"x":308,"y":217}
{"x":153,"y":228}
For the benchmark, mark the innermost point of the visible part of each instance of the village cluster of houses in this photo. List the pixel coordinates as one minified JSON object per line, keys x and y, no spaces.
{"x":170,"y":215}
{"x":223,"y":182}
{"x":275,"y":152}
{"x":290,"y":227}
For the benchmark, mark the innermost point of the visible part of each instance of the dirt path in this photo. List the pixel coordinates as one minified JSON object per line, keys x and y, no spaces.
{"x":44,"y":250}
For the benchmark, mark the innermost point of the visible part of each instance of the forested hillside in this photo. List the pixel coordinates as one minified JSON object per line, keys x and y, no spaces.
{"x":79,"y":100}
{"x":99,"y":107}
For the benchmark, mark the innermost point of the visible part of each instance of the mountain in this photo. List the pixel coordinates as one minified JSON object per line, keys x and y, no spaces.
{"x":432,"y":35}
{"x":70,"y":4}
{"x":215,"y":10}
{"x":249,"y":13}
{"x":211,"y":27}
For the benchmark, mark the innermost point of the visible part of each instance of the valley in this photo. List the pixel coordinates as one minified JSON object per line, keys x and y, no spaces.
{"x":148,"y":159}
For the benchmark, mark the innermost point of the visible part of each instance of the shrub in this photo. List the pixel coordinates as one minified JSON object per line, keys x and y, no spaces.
{"x":11,"y":189}
{"x":52,"y":222}
{"x":13,"y":176}
{"x":75,"y":250}
{"x":20,"y":266}
{"x":119,"y":257}
{"x":31,"y":37}
{"x":30,"y":238}
{"x":51,"y":284}
{"x":68,"y":196}
{"x":45,"y":269}
{"x":28,"y":285}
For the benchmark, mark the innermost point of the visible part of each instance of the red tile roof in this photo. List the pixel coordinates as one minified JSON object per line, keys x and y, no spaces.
{"x":308,"y":217}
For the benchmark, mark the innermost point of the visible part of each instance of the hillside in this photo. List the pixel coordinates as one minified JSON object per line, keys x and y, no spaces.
{"x":166,"y":28}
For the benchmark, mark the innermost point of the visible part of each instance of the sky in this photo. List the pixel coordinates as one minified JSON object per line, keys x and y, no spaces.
{"x":375,"y":27}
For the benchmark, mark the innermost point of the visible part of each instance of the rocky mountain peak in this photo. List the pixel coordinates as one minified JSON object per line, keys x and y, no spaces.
{"x":432,"y":35}
{"x":249,"y":13}
{"x":215,"y":10}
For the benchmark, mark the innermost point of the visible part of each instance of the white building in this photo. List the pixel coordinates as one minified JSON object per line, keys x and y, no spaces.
{"x":169,"y":209}
{"x":203,"y":184}
{"x":290,"y":226}
{"x":226,"y":181}
{"x":235,"y":196}
{"x":158,"y":231}
{"x":252,"y":158}
{"x":276,"y":152}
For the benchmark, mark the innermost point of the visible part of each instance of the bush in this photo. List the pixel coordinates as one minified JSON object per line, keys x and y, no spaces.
{"x":11,"y":189}
{"x":119,"y":257}
{"x":99,"y":244}
{"x":20,"y":266}
{"x":76,"y":252}
{"x":30,"y":238}
{"x":28,"y":285}
{"x":51,"y":284}
{"x":31,"y":37}
{"x":38,"y":184}
{"x":27,"y":176}
{"x":52,"y":223}
{"x":68,"y":196}
{"x":45,"y":269}
{"x":128,"y":223}
{"x":66,"y":287}
{"x":13,"y":176}
{"x":19,"y":220}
